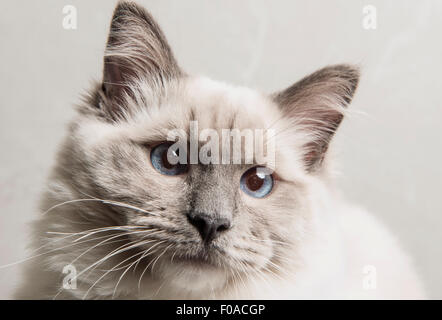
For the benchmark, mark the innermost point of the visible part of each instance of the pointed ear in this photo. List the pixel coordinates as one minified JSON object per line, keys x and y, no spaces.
{"x":317,"y":104}
{"x":136,"y":48}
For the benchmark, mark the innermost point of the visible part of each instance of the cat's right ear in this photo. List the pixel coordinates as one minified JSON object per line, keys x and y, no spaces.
{"x":136,"y":49}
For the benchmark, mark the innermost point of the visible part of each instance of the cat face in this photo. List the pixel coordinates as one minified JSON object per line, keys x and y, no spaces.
{"x":258,"y":231}
{"x":207,"y":222}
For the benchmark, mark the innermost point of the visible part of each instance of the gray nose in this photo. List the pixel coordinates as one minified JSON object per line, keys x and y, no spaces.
{"x":209,"y":227}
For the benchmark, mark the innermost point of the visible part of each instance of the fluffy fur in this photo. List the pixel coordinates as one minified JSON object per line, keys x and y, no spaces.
{"x":123,"y":225}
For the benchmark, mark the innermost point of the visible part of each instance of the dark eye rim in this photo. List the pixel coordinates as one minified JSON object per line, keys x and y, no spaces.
{"x":273,"y":175}
{"x":152,"y":147}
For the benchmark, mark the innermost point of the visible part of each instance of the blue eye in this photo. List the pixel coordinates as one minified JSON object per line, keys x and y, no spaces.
{"x":257,"y":182}
{"x":158,"y":157}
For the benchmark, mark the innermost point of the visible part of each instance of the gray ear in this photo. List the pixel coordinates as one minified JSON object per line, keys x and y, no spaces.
{"x":136,"y":48}
{"x":317,"y":103}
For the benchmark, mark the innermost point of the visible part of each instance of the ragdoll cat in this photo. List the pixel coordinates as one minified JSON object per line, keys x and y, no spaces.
{"x":122,"y":220}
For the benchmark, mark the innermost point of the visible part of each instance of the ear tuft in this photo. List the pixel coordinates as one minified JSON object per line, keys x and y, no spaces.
{"x":136,"y":49}
{"x":317,"y":104}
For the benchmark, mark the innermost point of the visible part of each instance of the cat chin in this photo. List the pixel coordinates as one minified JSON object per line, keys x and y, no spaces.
{"x":194,"y":277}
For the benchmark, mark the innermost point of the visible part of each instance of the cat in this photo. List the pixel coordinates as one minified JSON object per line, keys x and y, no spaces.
{"x":120,"y":220}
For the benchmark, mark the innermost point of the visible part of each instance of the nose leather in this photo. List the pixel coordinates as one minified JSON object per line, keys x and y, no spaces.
{"x":209,"y":227}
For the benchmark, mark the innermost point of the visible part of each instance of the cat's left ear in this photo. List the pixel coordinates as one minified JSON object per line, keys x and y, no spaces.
{"x":317,"y":104}
{"x":136,"y":49}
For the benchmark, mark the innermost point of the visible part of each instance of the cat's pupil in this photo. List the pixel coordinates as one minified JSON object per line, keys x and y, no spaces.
{"x":254,"y":182}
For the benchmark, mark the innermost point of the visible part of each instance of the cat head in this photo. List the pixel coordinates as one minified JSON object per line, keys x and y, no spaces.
{"x":207,"y":221}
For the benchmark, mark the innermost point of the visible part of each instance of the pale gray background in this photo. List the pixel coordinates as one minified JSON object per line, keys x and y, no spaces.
{"x":389,"y":150}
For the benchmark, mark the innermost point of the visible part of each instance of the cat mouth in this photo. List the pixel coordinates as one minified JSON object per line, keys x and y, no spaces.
{"x":205,"y":258}
{"x":194,"y":262}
